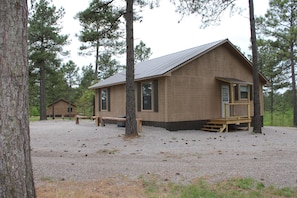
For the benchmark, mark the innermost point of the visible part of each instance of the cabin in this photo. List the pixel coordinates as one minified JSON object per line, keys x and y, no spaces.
{"x":209,"y":87}
{"x":61,"y":108}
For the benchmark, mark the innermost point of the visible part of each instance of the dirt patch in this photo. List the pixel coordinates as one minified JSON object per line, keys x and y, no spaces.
{"x":109,"y":188}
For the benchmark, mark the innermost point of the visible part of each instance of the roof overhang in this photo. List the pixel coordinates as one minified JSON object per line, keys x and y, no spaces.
{"x":233,"y":81}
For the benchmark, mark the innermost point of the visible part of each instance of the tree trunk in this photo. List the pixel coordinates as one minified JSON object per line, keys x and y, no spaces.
{"x":97,"y":60}
{"x":294,"y":100}
{"x":271,"y":104}
{"x":42,"y":91}
{"x":131,"y":128}
{"x":257,"y":111}
{"x":16,"y":176}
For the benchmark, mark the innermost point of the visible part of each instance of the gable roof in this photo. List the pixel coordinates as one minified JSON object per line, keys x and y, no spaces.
{"x":60,"y":100}
{"x":163,"y":65}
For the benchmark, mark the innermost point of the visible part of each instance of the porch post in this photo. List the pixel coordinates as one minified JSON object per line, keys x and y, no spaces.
{"x":232,"y":92}
{"x":231,"y":107}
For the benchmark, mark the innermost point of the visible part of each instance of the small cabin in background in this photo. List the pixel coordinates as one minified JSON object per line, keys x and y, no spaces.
{"x":61,"y":108}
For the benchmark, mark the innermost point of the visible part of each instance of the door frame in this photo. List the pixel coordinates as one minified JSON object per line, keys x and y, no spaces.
{"x":225,"y":98}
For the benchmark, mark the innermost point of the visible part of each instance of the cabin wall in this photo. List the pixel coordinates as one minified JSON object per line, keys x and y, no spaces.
{"x":151,"y":115}
{"x":193,"y":91}
{"x":61,"y":109}
{"x":118,"y":103}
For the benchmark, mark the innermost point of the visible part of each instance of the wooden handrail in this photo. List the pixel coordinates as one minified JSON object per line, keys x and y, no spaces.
{"x":227,"y":109}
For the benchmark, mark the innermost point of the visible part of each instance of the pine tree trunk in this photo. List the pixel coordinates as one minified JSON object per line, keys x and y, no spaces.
{"x":16,"y":177}
{"x":271,"y":104}
{"x":294,"y":100}
{"x":97,"y":60}
{"x":42,"y":92}
{"x":257,"y":112}
{"x":131,"y":128}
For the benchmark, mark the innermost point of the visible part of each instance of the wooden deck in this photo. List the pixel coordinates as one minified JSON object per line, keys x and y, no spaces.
{"x":221,"y":124}
{"x":235,"y":114}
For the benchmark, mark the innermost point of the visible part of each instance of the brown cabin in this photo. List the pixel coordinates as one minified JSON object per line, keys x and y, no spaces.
{"x":207,"y":87}
{"x":61,"y":108}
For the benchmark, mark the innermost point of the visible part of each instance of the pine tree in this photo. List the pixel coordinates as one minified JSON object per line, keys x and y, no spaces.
{"x":280,"y":26}
{"x":45,"y":43}
{"x":101,"y":32}
{"x":273,"y":69}
{"x":70,"y":71}
{"x":142,"y":52}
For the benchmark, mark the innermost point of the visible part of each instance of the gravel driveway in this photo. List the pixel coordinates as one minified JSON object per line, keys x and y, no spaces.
{"x":62,"y":150}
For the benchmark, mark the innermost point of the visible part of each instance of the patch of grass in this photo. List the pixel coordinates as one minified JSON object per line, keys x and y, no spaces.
{"x":278,"y":118}
{"x":108,"y":151}
{"x":34,"y":118}
{"x":46,"y":179}
{"x":246,"y":183}
{"x":151,"y":187}
{"x":284,"y":192}
{"x":200,"y":189}
{"x":240,"y":187}
{"x":37,"y":118}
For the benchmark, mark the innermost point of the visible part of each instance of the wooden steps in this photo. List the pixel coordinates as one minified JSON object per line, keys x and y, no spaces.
{"x":214,"y":126}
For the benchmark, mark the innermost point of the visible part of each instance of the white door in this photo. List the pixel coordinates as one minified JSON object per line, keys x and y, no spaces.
{"x":225,"y":99}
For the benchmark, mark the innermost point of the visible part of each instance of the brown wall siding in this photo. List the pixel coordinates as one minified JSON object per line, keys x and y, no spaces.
{"x":151,"y":115}
{"x":61,"y":109}
{"x":197,"y":80}
{"x":118,"y":101}
{"x":192,"y":97}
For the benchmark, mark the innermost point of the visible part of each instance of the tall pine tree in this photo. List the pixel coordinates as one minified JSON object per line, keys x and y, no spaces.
{"x":45,"y":43}
{"x":101,"y":33}
{"x":273,"y":69}
{"x":280,"y":26}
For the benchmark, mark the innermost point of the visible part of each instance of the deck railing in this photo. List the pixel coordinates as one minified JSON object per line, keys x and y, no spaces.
{"x":237,"y":111}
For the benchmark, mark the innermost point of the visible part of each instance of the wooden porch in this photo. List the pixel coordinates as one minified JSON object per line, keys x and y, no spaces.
{"x":222,"y":124}
{"x":235,"y":114}
{"x":236,"y":107}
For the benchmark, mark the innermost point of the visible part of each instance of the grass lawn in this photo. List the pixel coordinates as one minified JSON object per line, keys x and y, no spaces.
{"x":278,"y":119}
{"x":241,"y":188}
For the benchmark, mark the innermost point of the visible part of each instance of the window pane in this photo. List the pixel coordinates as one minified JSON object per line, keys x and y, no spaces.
{"x":103,"y":99}
{"x":243,"y":92}
{"x":147,"y":96}
{"x":244,"y":88}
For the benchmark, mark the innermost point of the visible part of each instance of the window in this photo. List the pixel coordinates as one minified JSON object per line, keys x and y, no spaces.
{"x":147,"y":96}
{"x":104,"y":99}
{"x":244,"y":91}
{"x":69,"y":109}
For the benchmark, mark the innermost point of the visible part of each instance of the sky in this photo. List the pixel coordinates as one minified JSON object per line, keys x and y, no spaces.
{"x":161,"y":31}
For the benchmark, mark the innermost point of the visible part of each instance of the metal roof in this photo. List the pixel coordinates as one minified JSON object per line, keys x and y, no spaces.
{"x":160,"y":66}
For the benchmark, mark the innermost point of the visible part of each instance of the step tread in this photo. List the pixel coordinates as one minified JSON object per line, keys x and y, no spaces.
{"x":209,"y":129}
{"x":213,"y":126}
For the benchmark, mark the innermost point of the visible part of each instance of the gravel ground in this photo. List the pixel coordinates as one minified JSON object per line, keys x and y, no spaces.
{"x":64,"y":151}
